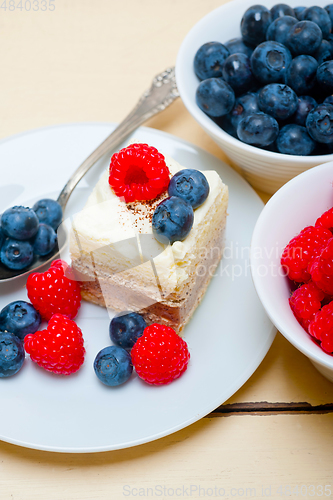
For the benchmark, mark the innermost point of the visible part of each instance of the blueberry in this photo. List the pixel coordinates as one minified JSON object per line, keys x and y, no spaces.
{"x":2,"y":236}
{"x":299,"y":12}
{"x":45,"y":240}
{"x":320,"y":17}
{"x":11,"y":354}
{"x":254,"y":24}
{"x":279,"y":29}
{"x":325,"y":76}
{"x":190,"y":185}
{"x":245,"y":104}
{"x":215,"y":97}
{"x":237,"y":45}
{"x":16,"y":254}
{"x":319,"y":123}
{"x":113,"y":366}
{"x":20,"y":223}
{"x":294,"y":140}
{"x":305,"y":105}
{"x":281,"y":10}
{"x":209,"y":59}
{"x":172,"y":220}
{"x":328,"y":100}
{"x":49,"y":212}
{"x":19,"y":318}
{"x":278,"y":100}
{"x":125,"y":329}
{"x":304,"y":38}
{"x":258,"y":129}
{"x":301,"y":74}
{"x":269,"y":62}
{"x":329,"y":10}
{"x":324,"y":53}
{"x":237,"y":73}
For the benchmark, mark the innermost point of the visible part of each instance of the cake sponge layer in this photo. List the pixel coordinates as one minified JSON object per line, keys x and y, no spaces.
{"x":121,"y":292}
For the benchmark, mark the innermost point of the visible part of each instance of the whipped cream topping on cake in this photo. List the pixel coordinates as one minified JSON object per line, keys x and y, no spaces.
{"x":107,"y":220}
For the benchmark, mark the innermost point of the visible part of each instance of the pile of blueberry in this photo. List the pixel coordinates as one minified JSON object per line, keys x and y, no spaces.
{"x":113,"y":365}
{"x":173,"y":218}
{"x":272,"y":88}
{"x":17,"y":320}
{"x":28,"y":232}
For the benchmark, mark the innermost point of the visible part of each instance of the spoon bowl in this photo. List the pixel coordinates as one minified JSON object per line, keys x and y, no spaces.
{"x":7,"y":274}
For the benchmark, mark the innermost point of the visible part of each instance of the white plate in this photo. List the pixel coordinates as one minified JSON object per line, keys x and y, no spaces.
{"x":228,"y":335}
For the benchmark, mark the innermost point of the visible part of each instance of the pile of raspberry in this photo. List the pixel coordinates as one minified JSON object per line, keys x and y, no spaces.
{"x":308,"y":262}
{"x":55,"y":294}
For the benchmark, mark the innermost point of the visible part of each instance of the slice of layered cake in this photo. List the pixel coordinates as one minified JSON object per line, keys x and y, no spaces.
{"x":150,"y":236}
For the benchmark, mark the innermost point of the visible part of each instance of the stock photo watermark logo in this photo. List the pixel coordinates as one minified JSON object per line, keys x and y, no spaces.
{"x":27,"y":5}
{"x":236,"y":262}
{"x":106,"y":242}
{"x":218,"y":491}
{"x":185,"y":491}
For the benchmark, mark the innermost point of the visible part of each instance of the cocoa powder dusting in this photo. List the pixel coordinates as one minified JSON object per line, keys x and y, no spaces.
{"x":144,"y":210}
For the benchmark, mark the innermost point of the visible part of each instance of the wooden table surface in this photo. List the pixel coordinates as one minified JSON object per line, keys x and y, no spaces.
{"x":88,"y":61}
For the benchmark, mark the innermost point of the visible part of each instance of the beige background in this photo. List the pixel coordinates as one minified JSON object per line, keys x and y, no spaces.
{"x":90,"y":61}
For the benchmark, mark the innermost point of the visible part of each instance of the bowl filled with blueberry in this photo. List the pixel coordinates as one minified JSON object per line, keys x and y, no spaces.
{"x":259,"y":80}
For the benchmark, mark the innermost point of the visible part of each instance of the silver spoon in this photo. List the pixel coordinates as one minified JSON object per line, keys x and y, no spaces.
{"x":160,"y":95}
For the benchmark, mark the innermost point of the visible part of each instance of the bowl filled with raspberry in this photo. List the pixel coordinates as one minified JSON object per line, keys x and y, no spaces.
{"x":259,"y":80}
{"x":292,"y":263}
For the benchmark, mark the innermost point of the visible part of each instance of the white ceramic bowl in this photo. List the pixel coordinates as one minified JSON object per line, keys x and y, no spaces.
{"x":296,"y":205}
{"x":264,"y":170}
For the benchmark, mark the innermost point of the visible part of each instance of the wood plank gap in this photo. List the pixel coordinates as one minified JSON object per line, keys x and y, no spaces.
{"x":266,"y":408}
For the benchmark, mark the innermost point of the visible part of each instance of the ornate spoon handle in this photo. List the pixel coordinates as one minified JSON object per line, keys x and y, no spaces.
{"x":162,"y":93}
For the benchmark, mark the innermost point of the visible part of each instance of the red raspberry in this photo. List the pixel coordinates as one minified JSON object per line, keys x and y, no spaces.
{"x":138,"y":173}
{"x":53,"y":292}
{"x":159,"y":356}
{"x":326,"y":220}
{"x":321,"y":269}
{"x":301,"y":250}
{"x":305,"y":302}
{"x":59,"y":348}
{"x":322,"y":327}
{"x":60,"y":264}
